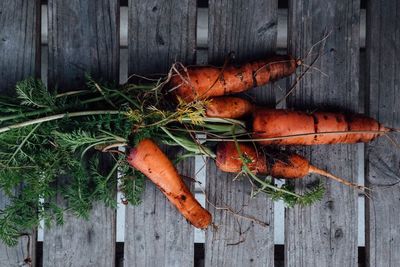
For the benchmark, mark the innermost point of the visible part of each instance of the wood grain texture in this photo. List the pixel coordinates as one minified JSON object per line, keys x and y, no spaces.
{"x":83,"y":38}
{"x":19,"y":59}
{"x":325,"y":234}
{"x":160,"y":33}
{"x":236,"y":241}
{"x":249,"y":30}
{"x":383,"y":93}
{"x":19,"y":42}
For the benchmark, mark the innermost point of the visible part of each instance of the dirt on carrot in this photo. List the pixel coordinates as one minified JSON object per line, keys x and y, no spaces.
{"x":228,"y":107}
{"x":202,"y":82}
{"x":313,"y":128}
{"x":148,"y":158}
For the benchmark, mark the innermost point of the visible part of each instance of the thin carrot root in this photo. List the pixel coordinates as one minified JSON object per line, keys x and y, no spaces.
{"x":147,"y":157}
{"x":203,"y":82}
{"x":313,"y":169}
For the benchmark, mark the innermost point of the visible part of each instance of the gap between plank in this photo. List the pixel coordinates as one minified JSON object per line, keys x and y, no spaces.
{"x":202,"y":30}
{"x":202,"y":37}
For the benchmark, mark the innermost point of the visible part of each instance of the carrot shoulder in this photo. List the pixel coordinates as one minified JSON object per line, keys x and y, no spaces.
{"x":148,"y":158}
{"x":204,"y":82}
{"x":316,"y":128}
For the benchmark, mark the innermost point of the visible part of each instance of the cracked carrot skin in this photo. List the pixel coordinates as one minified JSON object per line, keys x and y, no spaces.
{"x":148,"y":158}
{"x":270,"y":123}
{"x":202,"y":82}
{"x":228,"y":107}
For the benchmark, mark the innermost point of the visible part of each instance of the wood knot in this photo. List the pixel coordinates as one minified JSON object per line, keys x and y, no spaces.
{"x":338,"y":233}
{"x":329,"y":205}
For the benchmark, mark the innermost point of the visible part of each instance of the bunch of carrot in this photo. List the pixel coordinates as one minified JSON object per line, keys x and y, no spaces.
{"x":269,"y":127}
{"x":66,"y":126}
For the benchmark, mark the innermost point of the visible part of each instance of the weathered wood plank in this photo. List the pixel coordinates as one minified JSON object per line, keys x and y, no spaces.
{"x":160,"y":33}
{"x":383,"y":89}
{"x":325,"y":234}
{"x":83,"y":38}
{"x":19,"y":42}
{"x":19,"y":59}
{"x":249,"y":30}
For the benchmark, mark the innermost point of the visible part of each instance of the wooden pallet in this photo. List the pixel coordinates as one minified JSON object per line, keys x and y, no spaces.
{"x":84,"y":36}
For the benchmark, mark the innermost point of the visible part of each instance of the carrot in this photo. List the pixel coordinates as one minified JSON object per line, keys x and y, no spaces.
{"x":283,"y":165}
{"x":201,"y":82}
{"x":147,"y":157}
{"x":313,"y":128}
{"x":228,"y":107}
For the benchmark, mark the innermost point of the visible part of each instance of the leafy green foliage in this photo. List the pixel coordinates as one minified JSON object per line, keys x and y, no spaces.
{"x":48,"y":161}
{"x":34,"y":93}
{"x":132,"y":184}
{"x":288,"y":195}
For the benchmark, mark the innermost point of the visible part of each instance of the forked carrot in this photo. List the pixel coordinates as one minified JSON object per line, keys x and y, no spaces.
{"x":148,"y":158}
{"x":202,"y":82}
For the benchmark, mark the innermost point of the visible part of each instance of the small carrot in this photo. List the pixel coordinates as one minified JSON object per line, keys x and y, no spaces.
{"x":228,"y":107}
{"x":313,"y":128}
{"x":285,"y":165}
{"x":202,"y":82}
{"x":148,"y":158}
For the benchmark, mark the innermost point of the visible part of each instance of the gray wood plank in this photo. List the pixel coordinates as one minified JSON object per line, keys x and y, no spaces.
{"x":325,"y":234}
{"x":383,"y":93}
{"x":20,"y":58}
{"x":19,"y":42}
{"x":83,"y":38}
{"x":249,"y":30}
{"x":160,"y":33}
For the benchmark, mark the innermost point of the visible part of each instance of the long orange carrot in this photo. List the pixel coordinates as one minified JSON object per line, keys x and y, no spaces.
{"x":314,"y":128}
{"x":152,"y":162}
{"x":228,"y":107}
{"x":204,"y":82}
{"x":285,"y":165}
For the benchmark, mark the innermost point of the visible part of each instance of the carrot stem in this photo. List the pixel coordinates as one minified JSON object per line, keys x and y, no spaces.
{"x":57,"y":117}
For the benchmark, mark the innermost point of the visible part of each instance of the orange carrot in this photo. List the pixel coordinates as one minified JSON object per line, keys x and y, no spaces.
{"x":282,"y":165}
{"x":204,"y":82}
{"x":228,"y":107}
{"x":152,"y":162}
{"x":314,"y":128}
